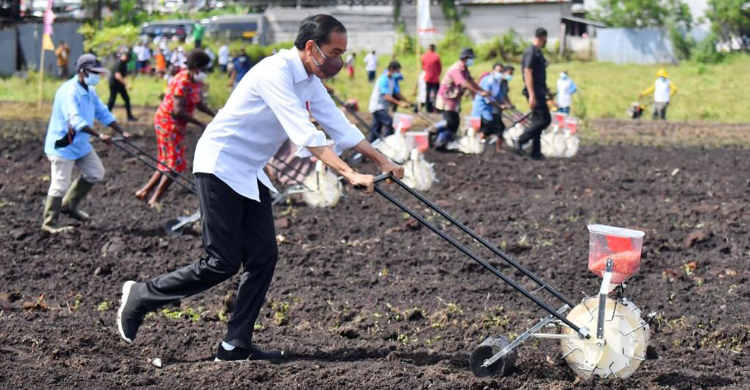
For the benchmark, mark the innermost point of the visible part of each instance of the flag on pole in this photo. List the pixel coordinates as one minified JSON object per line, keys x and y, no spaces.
{"x":49,"y":18}
{"x":424,"y":20}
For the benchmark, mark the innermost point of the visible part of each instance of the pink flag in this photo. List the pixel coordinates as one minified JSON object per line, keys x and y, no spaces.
{"x":49,"y":18}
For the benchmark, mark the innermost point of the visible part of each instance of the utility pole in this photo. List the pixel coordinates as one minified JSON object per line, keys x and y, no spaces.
{"x":99,"y":12}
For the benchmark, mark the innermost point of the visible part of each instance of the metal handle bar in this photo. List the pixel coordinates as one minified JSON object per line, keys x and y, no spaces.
{"x":143,"y":152}
{"x":514,"y":116}
{"x":523,"y":118}
{"x":174,"y":178}
{"x":469,"y":253}
{"x":292,"y":178}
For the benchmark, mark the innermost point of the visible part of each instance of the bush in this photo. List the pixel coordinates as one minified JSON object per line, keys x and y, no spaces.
{"x":705,"y":51}
{"x":454,"y":38}
{"x":105,"y":42}
{"x":405,"y":44}
{"x":508,"y":46}
{"x":683,"y":43}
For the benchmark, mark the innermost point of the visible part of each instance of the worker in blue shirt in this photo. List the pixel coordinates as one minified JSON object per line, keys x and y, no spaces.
{"x":242,"y":65}
{"x":67,"y":143}
{"x":385,"y":93}
{"x":489,"y":108}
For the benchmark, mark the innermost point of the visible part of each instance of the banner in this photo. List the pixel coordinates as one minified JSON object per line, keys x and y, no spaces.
{"x":47,"y":43}
{"x":49,"y":18}
{"x":424,"y":20}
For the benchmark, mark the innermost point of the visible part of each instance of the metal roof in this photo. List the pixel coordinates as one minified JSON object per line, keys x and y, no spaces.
{"x":583,"y":20}
{"x":500,"y":2}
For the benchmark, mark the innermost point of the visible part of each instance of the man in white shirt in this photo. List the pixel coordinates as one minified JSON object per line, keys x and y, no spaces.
{"x":179,"y":60}
{"x":371,"y":65}
{"x":223,"y":57}
{"x":272,"y":104}
{"x":663,"y":89}
{"x":143,"y":56}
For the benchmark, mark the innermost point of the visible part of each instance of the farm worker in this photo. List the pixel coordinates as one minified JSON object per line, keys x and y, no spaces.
{"x":663,"y":89}
{"x":508,"y":71}
{"x":241,"y":67}
{"x":371,"y":65}
{"x":565,"y":89}
{"x":432,"y":67}
{"x":62,"y":53}
{"x":143,"y":57}
{"x":490,"y":109}
{"x":178,"y":59}
{"x":183,"y":96}
{"x":385,"y":92}
{"x":211,"y":57}
{"x":118,"y":85}
{"x":198,"y":31}
{"x":350,"y":60}
{"x":160,"y":63}
{"x":457,"y":79}
{"x":67,"y":143}
{"x":223,"y":57}
{"x":273,"y":103}
{"x":535,"y":89}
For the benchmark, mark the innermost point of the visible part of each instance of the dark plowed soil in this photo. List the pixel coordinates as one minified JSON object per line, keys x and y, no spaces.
{"x":362,"y":297}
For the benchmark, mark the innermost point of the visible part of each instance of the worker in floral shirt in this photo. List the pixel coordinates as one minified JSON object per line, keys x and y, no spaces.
{"x":456,"y":80}
{"x":183,"y":96}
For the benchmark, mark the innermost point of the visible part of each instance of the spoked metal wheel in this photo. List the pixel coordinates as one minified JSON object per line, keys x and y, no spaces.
{"x":626,"y":337}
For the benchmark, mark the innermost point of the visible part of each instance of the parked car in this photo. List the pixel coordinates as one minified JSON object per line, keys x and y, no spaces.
{"x":250,"y":28}
{"x":168,"y":28}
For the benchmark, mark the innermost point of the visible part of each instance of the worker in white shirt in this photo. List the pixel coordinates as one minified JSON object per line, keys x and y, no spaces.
{"x":371,"y":65}
{"x":273,"y":103}
{"x":565,"y":90}
{"x":223,"y":58}
{"x":663,"y":89}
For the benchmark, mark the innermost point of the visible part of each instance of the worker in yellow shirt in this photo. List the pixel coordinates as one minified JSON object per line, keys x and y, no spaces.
{"x":663,"y":89}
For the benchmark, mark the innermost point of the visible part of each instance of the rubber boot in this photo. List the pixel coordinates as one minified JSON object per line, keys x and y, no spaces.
{"x":51,"y":214}
{"x":73,"y":198}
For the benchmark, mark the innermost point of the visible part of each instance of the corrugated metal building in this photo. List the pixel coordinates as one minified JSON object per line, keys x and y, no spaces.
{"x":371,"y":25}
{"x":489,"y":18}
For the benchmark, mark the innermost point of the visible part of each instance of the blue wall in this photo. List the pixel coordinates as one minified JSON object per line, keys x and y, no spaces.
{"x":634,"y":46}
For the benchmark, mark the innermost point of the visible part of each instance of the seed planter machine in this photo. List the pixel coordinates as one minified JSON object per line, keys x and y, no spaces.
{"x":602,"y":335}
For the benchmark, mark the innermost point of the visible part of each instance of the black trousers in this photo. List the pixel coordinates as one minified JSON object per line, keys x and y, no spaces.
{"x":432,"y":90}
{"x":237,"y":233}
{"x":114,"y":90}
{"x":380,"y":118}
{"x":452,"y":120}
{"x":494,"y":126}
{"x":540,"y":119}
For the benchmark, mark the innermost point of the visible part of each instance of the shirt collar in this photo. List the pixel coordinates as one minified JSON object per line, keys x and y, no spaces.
{"x":300,"y":74}
{"x":79,"y":88}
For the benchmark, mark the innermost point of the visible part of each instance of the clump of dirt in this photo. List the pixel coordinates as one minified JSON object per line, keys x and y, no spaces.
{"x":364,"y":299}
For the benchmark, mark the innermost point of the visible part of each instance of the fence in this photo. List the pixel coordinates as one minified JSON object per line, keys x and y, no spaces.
{"x":635,"y":46}
{"x":20,"y":45}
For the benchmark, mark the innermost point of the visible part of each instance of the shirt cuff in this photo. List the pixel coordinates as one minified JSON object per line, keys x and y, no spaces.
{"x":317,"y":139}
{"x":79,"y":126}
{"x":108,"y":121}
{"x":350,"y":140}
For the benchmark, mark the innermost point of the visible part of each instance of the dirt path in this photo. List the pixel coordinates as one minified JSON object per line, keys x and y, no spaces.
{"x":363,"y":298}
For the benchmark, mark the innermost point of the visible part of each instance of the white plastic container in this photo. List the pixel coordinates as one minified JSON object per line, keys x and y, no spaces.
{"x":621,"y":245}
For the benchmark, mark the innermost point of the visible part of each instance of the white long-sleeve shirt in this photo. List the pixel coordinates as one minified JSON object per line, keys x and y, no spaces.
{"x":271,"y":104}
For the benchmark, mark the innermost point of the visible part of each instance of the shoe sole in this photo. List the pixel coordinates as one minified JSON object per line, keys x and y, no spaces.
{"x":124,"y":299}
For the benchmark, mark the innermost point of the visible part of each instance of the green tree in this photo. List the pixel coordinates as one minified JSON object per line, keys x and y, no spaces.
{"x":729,"y":17}
{"x":643,"y":13}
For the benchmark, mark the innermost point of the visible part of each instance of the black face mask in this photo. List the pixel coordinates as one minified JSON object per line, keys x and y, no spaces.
{"x":330,"y":66}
